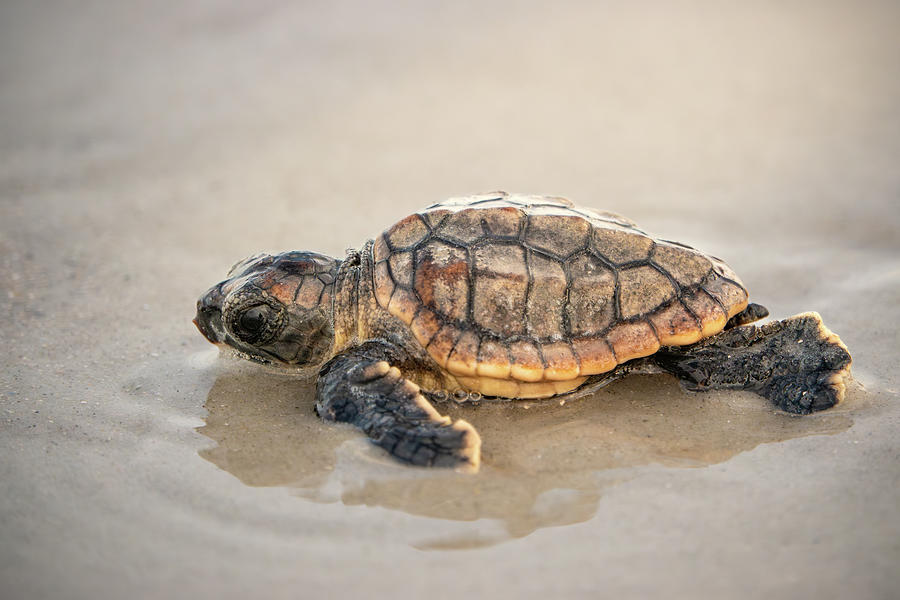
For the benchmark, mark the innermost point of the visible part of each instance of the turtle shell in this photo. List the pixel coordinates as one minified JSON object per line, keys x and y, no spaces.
{"x":503,"y":288}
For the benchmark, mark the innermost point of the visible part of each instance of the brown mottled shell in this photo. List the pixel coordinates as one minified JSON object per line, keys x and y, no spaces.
{"x":534,"y":289}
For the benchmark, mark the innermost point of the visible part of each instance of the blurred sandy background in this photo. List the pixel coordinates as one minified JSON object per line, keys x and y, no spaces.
{"x":145,"y":147}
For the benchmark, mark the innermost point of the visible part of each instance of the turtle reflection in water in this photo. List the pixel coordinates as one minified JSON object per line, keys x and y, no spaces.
{"x":512,"y":297}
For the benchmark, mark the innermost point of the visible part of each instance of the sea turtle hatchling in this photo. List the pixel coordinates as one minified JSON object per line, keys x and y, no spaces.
{"x":513,"y":297}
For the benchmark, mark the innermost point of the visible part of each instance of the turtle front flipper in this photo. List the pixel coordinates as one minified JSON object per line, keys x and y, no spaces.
{"x":361,"y":387}
{"x":797,"y":363}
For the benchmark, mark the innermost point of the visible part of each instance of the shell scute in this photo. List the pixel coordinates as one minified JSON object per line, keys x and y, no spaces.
{"x":632,"y":340}
{"x":501,"y":284}
{"x":442,"y":279}
{"x":384,"y":284}
{"x":463,"y":227}
{"x":642,"y":290}
{"x":442,"y":344}
{"x":590,"y":308}
{"x":493,"y":360}
{"x":620,"y":246}
{"x":559,"y":235}
{"x":545,"y":303}
{"x":434,"y":217}
{"x":499,"y":305}
{"x":595,"y":355}
{"x":712,"y":316}
{"x":675,"y":326}
{"x":527,"y":364}
{"x":401,"y":268}
{"x":380,"y":251}
{"x":561,"y":362}
{"x":503,"y":222}
{"x":463,"y":359}
{"x":407,"y":232}
{"x":425,"y":326}
{"x":686,"y":266}
{"x":501,"y":260}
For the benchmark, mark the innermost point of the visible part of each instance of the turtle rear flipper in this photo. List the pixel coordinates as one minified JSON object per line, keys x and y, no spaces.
{"x":753,"y":312}
{"x":797,"y":363}
{"x":362,"y":388}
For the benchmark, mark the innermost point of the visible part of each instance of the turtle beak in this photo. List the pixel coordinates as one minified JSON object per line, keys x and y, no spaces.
{"x":209,"y":315}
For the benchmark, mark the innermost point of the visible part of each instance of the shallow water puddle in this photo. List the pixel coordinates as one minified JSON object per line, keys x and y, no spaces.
{"x":545,"y":463}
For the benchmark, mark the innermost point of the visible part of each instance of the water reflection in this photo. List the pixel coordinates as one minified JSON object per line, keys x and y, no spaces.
{"x":545,"y":463}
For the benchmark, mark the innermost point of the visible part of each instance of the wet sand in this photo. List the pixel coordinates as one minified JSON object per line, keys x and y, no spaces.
{"x":146,"y":150}
{"x":557,"y":448}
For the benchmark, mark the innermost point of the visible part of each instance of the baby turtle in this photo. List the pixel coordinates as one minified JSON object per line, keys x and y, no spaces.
{"x":513,"y":297}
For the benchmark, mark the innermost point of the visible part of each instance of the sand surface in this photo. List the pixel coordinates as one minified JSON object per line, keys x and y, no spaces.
{"x":145,"y":148}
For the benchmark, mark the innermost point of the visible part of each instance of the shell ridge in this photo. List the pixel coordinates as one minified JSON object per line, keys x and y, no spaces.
{"x":617,"y":311}
{"x":542,"y":253}
{"x":503,"y":196}
{"x":575,"y":354}
{"x":654,"y":330}
{"x":566,"y":302}
{"x":716,"y":300}
{"x":611,"y":347}
{"x":529,"y":287}
{"x":606,"y":262}
{"x":691,"y":312}
{"x":449,"y":242}
{"x":470,"y":280}
{"x":729,"y":280}
{"x":427,"y":224}
{"x":679,"y":290}
{"x":540,"y":352}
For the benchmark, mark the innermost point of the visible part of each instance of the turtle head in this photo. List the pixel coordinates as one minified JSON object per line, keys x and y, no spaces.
{"x":273,"y":309}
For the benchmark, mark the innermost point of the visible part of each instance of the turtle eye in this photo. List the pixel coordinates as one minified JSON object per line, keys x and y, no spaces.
{"x":254,"y":318}
{"x":256,"y":324}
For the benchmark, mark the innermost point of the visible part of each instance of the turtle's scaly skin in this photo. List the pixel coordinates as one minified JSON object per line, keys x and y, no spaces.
{"x":511,"y":296}
{"x":526,"y":297}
